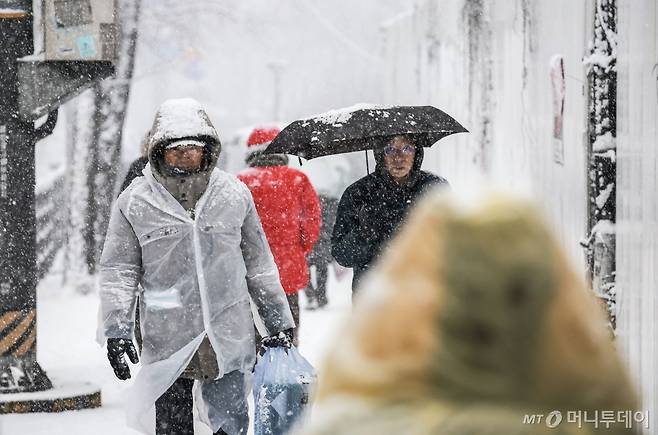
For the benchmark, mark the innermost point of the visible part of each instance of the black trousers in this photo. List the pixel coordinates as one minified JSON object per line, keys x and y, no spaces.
{"x":319,"y":290}
{"x":173,"y":410}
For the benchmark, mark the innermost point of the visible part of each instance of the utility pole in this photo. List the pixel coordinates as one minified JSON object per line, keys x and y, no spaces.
{"x":29,"y":89}
{"x":19,"y":369}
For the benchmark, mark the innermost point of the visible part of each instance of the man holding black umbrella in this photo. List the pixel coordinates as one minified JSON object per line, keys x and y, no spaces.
{"x":373,"y":208}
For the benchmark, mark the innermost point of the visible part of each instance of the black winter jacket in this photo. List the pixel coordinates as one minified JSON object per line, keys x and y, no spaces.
{"x":370,"y":212}
{"x":134,"y":171}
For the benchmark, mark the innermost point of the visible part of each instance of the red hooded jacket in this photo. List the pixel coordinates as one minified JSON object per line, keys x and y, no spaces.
{"x":289,"y":210}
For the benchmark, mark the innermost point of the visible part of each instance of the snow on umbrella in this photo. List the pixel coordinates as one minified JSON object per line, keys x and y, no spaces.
{"x":362,"y":127}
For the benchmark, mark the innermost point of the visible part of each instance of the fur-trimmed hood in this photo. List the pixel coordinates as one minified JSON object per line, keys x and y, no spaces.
{"x":472,"y":319}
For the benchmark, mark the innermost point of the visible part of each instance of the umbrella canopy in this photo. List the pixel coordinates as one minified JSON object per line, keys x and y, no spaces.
{"x":362,"y":127}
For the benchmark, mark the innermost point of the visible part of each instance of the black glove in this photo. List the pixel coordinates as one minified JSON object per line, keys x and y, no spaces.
{"x":116,"y":347}
{"x":282,"y":339}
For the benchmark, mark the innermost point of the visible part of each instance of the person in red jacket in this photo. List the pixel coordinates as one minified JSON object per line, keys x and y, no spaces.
{"x":289,"y":210}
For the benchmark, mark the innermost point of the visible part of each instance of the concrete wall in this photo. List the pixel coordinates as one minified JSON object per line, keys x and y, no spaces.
{"x":637,"y":194}
{"x":492,"y":73}
{"x":488,"y":65}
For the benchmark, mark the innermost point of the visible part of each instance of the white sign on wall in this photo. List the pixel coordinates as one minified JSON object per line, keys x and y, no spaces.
{"x":559,"y":92}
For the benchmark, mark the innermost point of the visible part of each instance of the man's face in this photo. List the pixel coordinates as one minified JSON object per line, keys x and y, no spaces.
{"x":399,"y":157}
{"x":185,"y":157}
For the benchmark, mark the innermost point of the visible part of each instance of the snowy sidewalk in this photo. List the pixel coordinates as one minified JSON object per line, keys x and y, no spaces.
{"x":68,"y":352}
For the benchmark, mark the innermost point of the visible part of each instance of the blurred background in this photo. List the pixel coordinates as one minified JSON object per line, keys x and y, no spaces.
{"x":560,"y":98}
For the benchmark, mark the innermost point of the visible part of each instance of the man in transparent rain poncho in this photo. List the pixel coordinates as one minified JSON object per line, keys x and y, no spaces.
{"x":187,"y":238}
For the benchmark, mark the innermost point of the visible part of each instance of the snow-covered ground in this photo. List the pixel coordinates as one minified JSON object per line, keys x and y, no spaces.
{"x":67,"y":350}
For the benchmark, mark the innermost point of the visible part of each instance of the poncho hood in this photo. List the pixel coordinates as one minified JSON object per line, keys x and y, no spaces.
{"x":178,"y":119}
{"x":183,"y":119}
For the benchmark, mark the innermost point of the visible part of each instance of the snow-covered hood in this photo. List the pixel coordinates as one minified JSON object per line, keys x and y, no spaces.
{"x":182,"y":119}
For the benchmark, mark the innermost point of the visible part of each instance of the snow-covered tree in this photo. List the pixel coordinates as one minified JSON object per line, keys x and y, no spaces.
{"x":96,"y":123}
{"x":111,"y":104}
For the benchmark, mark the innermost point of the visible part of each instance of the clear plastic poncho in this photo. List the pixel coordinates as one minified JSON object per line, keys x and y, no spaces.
{"x":197,"y":277}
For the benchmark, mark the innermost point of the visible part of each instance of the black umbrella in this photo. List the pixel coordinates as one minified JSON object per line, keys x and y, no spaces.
{"x":361,"y":128}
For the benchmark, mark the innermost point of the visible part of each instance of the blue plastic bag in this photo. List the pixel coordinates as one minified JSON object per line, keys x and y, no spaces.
{"x":283,"y":380}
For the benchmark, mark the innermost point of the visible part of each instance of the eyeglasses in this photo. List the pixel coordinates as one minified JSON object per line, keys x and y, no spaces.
{"x":185,"y":148}
{"x":391,"y":150}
